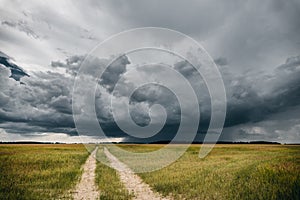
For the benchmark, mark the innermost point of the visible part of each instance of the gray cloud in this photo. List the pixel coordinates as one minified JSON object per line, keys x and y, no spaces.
{"x":291,"y":64}
{"x":247,"y":33}
{"x":112,"y":74}
{"x":248,"y":39}
{"x":185,"y":68}
{"x":221,"y":61}
{"x":40,"y":102}
{"x":201,"y":17}
{"x":16,"y":72}
{"x":248,"y":103}
{"x":43,"y":102}
{"x":21,"y":26}
{"x":251,"y":35}
{"x":280,"y":127}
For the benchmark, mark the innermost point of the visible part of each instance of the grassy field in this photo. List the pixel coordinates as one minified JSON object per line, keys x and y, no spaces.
{"x":39,"y":171}
{"x":108,"y":180}
{"x":229,"y":172}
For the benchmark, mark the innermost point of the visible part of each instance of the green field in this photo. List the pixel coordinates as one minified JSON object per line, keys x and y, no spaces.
{"x":39,"y":171}
{"x":112,"y":189}
{"x":228,"y":172}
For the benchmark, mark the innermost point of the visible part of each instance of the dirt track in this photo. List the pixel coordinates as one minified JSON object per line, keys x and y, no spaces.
{"x":131,"y":181}
{"x":86,"y":188}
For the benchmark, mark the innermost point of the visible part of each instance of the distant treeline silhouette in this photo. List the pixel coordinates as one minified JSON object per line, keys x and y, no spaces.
{"x":30,"y":142}
{"x":156,"y":142}
{"x":219,"y":142}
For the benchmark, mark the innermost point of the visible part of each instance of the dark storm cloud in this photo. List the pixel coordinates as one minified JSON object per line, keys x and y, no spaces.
{"x":250,"y":41}
{"x":71,"y":64}
{"x":287,"y":86}
{"x":248,"y":100}
{"x":185,"y":68}
{"x":16,"y":72}
{"x":112,"y":74}
{"x":62,"y":104}
{"x":43,"y":103}
{"x":247,"y":104}
{"x":155,"y":94}
{"x":292,"y":64}
{"x":221,"y":61}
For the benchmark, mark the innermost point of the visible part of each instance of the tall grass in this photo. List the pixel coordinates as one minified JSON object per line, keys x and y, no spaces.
{"x":108,"y":181}
{"x":39,"y":171}
{"x":229,"y":172}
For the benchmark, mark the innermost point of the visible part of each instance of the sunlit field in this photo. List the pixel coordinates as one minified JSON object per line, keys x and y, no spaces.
{"x":229,"y":172}
{"x":39,"y":171}
{"x":108,"y":181}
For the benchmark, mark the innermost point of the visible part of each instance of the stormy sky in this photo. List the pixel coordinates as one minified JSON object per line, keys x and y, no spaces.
{"x":255,"y":45}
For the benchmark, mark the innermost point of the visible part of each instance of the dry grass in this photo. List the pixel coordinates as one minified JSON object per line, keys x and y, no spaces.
{"x":108,"y":181}
{"x":229,"y":172}
{"x":39,"y":171}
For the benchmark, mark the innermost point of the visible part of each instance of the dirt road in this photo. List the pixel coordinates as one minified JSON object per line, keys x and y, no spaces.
{"x":86,"y":188}
{"x":131,"y":181}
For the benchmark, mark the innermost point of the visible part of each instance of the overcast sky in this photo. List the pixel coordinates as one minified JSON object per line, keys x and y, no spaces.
{"x":255,"y":44}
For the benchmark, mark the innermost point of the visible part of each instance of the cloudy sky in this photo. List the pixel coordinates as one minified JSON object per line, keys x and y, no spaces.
{"x":255,"y":45}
